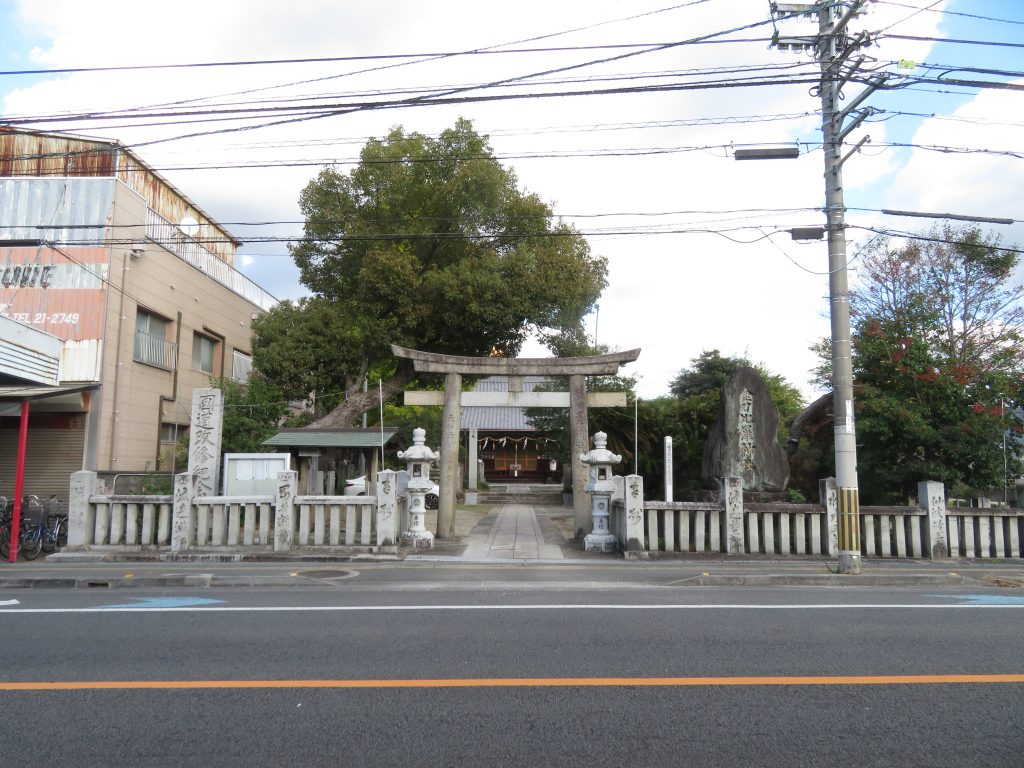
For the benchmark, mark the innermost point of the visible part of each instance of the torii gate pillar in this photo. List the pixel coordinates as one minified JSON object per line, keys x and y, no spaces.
{"x":581,"y":512}
{"x":454,"y":367}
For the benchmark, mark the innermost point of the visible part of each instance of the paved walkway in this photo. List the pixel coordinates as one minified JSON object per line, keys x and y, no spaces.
{"x":515,"y":534}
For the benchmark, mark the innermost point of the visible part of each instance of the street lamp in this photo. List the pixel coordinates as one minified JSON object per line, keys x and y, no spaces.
{"x":767,"y":153}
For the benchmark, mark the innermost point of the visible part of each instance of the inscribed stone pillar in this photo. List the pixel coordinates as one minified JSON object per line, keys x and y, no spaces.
{"x":634,"y":511}
{"x":828,"y":498}
{"x":932,"y":496}
{"x":471,"y":469}
{"x":204,"y":439}
{"x":81,"y":514}
{"x":451,"y":422}
{"x":580,"y":445}
{"x":669,"y":485}
{"x":732,"y":499}
{"x":387,"y":508}
{"x":284,"y":510}
{"x":183,"y":519}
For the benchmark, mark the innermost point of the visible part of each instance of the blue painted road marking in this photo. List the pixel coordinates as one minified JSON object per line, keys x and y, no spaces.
{"x":165,"y":602}
{"x":985,"y":599}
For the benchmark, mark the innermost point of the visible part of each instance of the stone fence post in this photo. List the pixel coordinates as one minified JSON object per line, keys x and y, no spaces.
{"x":284,"y":512}
{"x":732,"y":499}
{"x":932,"y":496}
{"x":828,"y":498}
{"x":183,"y":516}
{"x":387,"y":508}
{"x":81,"y":514}
{"x":634,"y":514}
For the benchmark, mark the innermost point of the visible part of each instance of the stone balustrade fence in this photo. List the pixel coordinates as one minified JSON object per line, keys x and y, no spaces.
{"x":729,"y":526}
{"x":280,"y":523}
{"x":289,"y":522}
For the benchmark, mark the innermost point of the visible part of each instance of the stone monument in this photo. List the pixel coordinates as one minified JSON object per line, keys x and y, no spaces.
{"x":204,"y":439}
{"x":744,"y":440}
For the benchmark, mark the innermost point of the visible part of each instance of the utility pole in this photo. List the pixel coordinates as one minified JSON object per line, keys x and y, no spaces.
{"x":833,"y":46}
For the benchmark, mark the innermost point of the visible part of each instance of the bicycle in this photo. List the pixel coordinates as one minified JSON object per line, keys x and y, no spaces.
{"x":35,"y":534}
{"x":39,"y":535}
{"x":54,"y":533}
{"x":33,"y":527}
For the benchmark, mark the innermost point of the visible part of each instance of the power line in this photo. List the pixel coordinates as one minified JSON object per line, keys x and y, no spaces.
{"x":441,"y":96}
{"x":424,"y":56}
{"x":954,"y":41}
{"x":492,"y":48}
{"x":950,"y":13}
{"x":722,"y":150}
{"x":315,"y":101}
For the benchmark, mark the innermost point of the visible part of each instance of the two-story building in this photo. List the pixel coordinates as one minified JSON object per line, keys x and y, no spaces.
{"x":138,"y":284}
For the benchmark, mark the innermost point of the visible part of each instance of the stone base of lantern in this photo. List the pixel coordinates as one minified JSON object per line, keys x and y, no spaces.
{"x":600,"y":542}
{"x":418,"y":539}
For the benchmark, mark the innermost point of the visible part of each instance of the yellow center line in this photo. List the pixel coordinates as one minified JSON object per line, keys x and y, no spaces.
{"x":514,"y":682}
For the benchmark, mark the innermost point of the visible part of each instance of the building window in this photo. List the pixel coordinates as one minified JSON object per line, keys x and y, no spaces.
{"x":171,"y":437}
{"x":151,"y":344}
{"x":171,"y":433}
{"x":241,"y":366}
{"x":204,"y":353}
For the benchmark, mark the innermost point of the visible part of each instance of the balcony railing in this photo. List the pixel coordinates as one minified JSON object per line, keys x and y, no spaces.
{"x":175,"y":240}
{"x":153,"y":350}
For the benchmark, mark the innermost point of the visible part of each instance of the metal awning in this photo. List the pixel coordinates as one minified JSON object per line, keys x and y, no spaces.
{"x":331,"y":438}
{"x":16,"y":393}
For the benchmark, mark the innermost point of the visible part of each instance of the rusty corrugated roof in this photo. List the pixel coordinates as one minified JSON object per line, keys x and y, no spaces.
{"x":52,"y":154}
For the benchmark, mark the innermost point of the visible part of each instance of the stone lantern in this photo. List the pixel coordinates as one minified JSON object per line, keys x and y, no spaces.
{"x":419,"y":458}
{"x":600,"y":486}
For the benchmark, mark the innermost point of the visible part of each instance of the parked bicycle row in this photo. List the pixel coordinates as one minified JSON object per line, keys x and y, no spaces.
{"x":43,"y":526}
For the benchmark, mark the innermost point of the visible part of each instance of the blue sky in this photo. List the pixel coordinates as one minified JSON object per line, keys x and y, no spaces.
{"x":674,"y":295}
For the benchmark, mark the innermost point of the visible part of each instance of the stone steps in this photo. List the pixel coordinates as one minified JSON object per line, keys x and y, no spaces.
{"x":544,"y":499}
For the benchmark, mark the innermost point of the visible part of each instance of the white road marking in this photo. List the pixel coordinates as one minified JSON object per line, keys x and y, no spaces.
{"x":8,"y":602}
{"x":531,"y":607}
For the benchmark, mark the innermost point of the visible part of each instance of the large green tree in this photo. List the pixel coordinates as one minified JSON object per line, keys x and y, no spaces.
{"x":253,"y":412}
{"x":937,"y":362}
{"x":427,"y":243}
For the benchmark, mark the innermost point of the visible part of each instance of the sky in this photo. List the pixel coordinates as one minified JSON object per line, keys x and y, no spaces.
{"x":697,"y":243}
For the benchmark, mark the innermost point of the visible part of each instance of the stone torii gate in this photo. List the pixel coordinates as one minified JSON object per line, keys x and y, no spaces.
{"x":454,"y":367}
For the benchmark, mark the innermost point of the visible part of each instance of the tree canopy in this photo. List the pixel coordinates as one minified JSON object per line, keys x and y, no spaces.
{"x":937,"y":362}
{"x":427,"y":243}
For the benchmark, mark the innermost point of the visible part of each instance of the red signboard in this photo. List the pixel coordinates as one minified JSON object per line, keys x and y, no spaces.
{"x":60,"y":292}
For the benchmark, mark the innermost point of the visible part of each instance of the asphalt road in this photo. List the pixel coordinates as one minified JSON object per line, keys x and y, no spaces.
{"x":592,"y":673}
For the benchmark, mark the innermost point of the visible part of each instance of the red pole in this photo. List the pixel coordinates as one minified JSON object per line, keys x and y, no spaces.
{"x":19,"y":481}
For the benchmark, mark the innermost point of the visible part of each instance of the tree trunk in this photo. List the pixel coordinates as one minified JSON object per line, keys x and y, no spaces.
{"x":811,"y":413}
{"x":357,"y":403}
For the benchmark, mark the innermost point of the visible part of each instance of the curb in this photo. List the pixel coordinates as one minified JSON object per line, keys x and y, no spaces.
{"x":209,"y":580}
{"x":194,"y":581}
{"x":70,"y":558}
{"x":827,"y":580}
